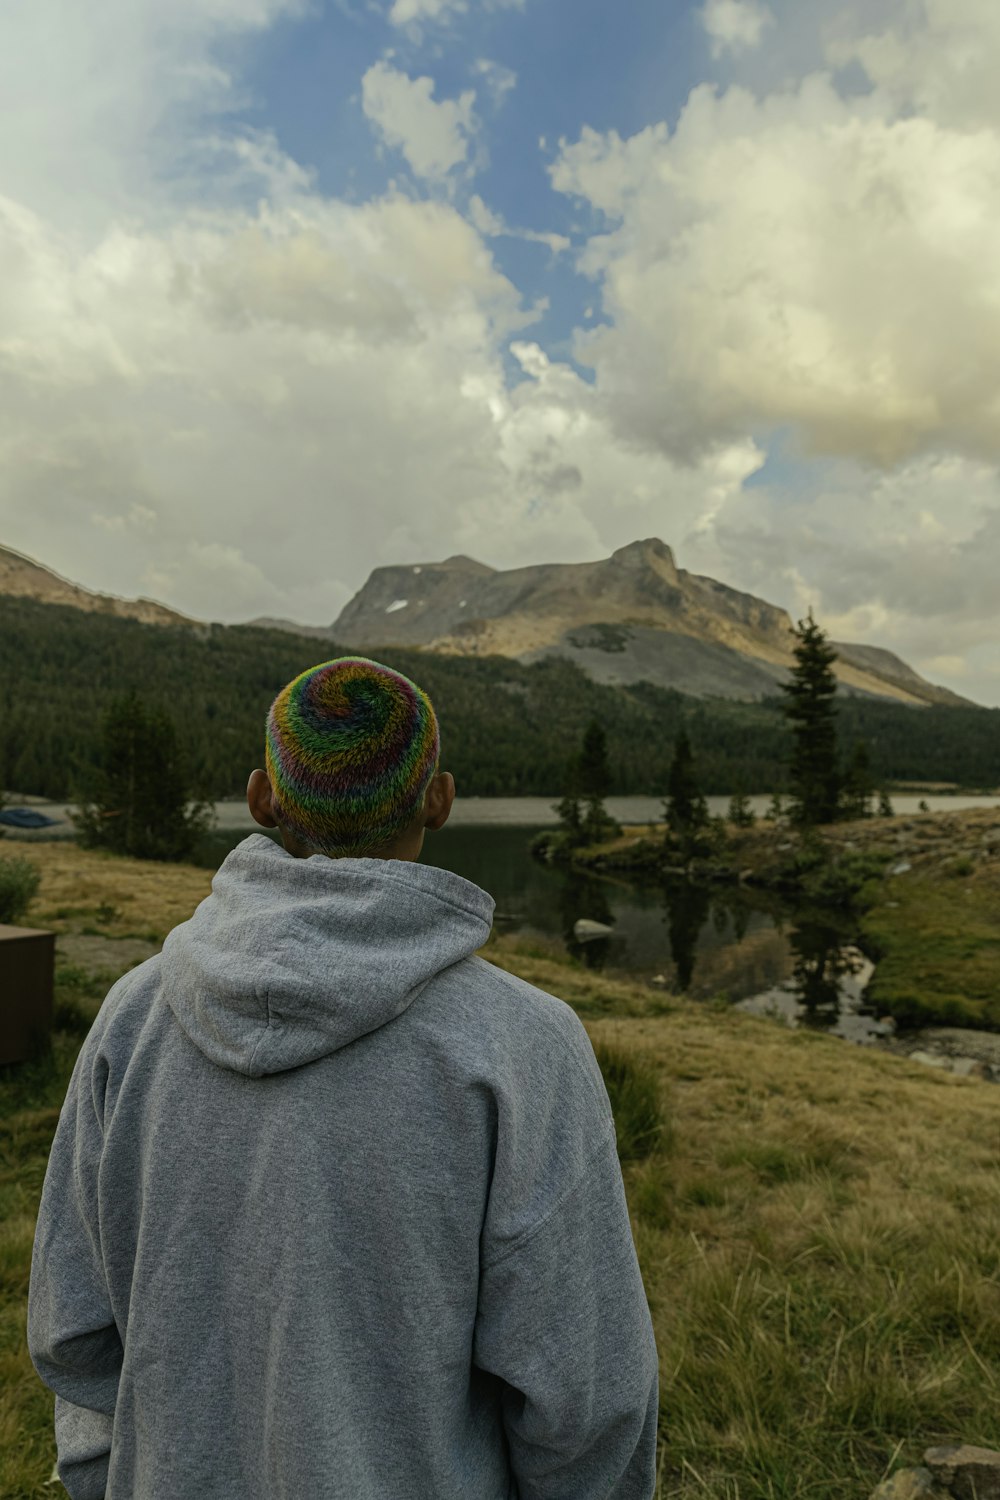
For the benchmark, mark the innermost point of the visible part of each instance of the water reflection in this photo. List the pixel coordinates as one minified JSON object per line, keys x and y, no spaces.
{"x":580,"y":897}
{"x":718,"y":941}
{"x":688,"y":906}
{"x":820,"y":965}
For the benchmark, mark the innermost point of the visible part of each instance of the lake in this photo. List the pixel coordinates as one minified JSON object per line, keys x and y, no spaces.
{"x":753,"y":950}
{"x":708,"y":942}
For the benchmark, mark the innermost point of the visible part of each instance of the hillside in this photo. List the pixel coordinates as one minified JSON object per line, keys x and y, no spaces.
{"x":23,"y":578}
{"x":632,"y":617}
{"x":508,"y":729}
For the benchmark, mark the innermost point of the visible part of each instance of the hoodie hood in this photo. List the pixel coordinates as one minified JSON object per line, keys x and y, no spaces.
{"x":289,"y":959}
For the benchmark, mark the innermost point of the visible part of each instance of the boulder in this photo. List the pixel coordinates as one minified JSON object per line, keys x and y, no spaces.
{"x":966,"y":1472}
{"x":584,"y":928}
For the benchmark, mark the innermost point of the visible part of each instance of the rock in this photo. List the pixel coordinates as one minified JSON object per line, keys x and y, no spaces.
{"x":930,"y":1059}
{"x":745,"y":875}
{"x":901,"y":868}
{"x":887,"y":1022}
{"x":910,"y":1484}
{"x":660,"y":980}
{"x":968,"y":1473}
{"x":584,"y":929}
{"x":969,"y":1067}
{"x":782,"y":847}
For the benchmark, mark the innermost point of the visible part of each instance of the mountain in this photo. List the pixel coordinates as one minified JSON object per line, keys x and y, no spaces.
{"x":634,"y":616}
{"x":23,"y":578}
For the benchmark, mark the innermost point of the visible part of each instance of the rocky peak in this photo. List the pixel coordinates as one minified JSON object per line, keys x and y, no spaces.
{"x":652,"y":553}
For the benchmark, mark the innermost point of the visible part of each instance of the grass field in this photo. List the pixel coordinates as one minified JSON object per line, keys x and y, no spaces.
{"x":817,"y":1225}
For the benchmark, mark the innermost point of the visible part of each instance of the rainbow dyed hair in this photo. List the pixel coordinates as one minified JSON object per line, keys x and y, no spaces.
{"x":350,"y":747}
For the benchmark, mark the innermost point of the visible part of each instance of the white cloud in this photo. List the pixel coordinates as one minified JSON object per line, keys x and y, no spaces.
{"x":734,"y":25}
{"x":220,"y":387}
{"x":405,"y":12}
{"x":799,"y":260}
{"x":498,"y":80}
{"x":412,"y":13}
{"x":492,"y":226}
{"x":905,"y":560}
{"x":937,"y":58}
{"x":433,"y":135}
{"x":107,"y":100}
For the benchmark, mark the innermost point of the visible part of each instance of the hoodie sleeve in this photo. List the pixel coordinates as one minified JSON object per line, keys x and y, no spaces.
{"x":72,"y":1336}
{"x":564,"y":1322}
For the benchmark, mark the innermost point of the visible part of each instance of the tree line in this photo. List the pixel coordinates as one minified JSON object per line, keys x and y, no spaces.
{"x":824,"y":786}
{"x":505,"y":726}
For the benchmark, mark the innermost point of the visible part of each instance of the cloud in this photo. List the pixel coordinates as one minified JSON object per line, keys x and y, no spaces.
{"x":108,"y":101}
{"x":498,"y":80}
{"x":221,"y":386}
{"x":734,"y":25}
{"x":905,"y":560}
{"x":801,"y":260}
{"x":412,"y":12}
{"x":405,"y":12}
{"x":493,"y":226}
{"x":433,"y":135}
{"x":937,"y":59}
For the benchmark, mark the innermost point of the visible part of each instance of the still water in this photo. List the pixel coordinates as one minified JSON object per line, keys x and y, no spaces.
{"x":706,"y":941}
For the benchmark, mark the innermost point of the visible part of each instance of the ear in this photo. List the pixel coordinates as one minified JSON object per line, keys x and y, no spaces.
{"x":259,"y":800}
{"x":439,"y":799}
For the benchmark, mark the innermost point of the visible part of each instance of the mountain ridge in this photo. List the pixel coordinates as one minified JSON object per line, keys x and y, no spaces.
{"x":632,"y":617}
{"x":22,"y":577}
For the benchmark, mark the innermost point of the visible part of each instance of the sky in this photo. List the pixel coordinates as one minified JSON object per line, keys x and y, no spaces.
{"x":295,"y":289}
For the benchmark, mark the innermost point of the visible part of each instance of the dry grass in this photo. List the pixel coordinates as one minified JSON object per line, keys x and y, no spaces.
{"x":817,"y":1231}
{"x":85,"y":889}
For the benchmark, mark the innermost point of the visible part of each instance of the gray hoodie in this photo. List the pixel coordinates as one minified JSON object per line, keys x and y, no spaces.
{"x":334,"y":1210}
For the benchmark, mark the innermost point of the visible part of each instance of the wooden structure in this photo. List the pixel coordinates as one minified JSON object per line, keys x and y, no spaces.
{"x":27,"y":964}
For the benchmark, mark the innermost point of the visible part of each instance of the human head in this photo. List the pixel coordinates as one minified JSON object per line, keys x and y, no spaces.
{"x":351,"y":749}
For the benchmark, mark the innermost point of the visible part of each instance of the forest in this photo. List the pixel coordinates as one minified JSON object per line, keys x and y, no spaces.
{"x":507,"y":729}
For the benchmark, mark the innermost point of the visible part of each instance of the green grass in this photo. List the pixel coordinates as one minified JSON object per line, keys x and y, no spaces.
{"x":635,"y":1092}
{"x":937,"y":949}
{"x":816,"y":1225}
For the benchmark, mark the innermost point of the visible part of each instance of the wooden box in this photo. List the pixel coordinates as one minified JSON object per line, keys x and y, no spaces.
{"x":27,"y":964}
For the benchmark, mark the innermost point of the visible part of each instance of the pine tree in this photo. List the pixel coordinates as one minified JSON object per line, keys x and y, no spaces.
{"x":858,"y":786}
{"x":809,"y":707}
{"x":140,"y":797}
{"x":685,"y":808}
{"x":593,"y":777}
{"x":594,"y":771}
{"x":885,"y":808}
{"x":741,"y":814}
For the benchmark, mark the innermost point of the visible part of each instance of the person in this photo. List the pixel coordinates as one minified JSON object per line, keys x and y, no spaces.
{"x":334,"y":1207}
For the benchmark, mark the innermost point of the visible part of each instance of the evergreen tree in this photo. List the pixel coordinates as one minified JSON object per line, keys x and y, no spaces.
{"x":594,"y":772}
{"x":141,"y":794}
{"x":685,"y":809}
{"x":593,"y":778}
{"x":776,"y":809}
{"x":741,"y":814}
{"x":570,"y":818}
{"x":858,"y":786}
{"x":809,"y":708}
{"x":885,"y":808}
